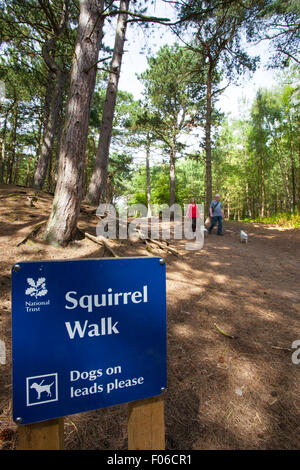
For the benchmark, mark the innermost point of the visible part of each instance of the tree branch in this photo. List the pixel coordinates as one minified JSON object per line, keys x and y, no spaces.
{"x":138,"y":17}
{"x":49,"y":14}
{"x":98,"y":62}
{"x":289,"y":55}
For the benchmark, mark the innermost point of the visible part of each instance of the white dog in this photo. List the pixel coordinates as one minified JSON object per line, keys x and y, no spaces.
{"x":243,"y":237}
{"x":39,"y":388}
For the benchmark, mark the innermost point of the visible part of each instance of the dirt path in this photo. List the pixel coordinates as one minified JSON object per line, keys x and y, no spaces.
{"x":222,"y":393}
{"x":235,"y":393}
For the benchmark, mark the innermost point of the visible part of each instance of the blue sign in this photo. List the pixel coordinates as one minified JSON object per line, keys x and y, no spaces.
{"x":86,"y":334}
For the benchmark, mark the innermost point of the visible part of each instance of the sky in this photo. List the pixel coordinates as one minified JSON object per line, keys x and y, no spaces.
{"x":140,"y":44}
{"x":135,"y":62}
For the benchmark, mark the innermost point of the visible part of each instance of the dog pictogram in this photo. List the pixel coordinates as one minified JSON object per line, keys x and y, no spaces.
{"x":40,"y":388}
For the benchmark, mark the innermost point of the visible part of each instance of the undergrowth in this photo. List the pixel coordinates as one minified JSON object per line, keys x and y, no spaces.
{"x":285,"y":219}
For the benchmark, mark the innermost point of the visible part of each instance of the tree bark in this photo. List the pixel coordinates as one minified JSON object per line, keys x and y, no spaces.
{"x":9,"y":176}
{"x":50,"y":130}
{"x":60,"y":126}
{"x":208,"y":173}
{"x":3,"y":142}
{"x":212,"y":48}
{"x":293,"y":175}
{"x":299,"y":168}
{"x":62,"y":224}
{"x":48,"y":52}
{"x":249,"y":212}
{"x":293,"y":166}
{"x":262,"y":184}
{"x":43,"y":119}
{"x":172,"y":173}
{"x":97,"y":186}
{"x":149,"y":211}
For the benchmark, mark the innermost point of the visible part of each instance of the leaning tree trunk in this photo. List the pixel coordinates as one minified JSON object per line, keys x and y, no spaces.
{"x":62,"y":224}
{"x":97,"y":186}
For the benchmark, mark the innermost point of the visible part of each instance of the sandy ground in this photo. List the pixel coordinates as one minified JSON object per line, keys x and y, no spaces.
{"x":223,"y":393}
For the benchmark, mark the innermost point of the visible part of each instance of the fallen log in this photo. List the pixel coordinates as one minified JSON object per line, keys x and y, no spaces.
{"x":167,"y":247}
{"x":164,"y":247}
{"x":32,"y":232}
{"x":101,"y":241}
{"x":282,"y":349}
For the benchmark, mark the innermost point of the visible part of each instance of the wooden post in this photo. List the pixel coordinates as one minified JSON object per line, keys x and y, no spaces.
{"x":46,"y":435}
{"x":146,"y":424}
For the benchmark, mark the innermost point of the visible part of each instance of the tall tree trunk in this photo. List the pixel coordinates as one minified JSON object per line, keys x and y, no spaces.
{"x":299,"y":166}
{"x":42,"y":122}
{"x":16,"y":169}
{"x":85,"y":175}
{"x":298,"y":178}
{"x":149,"y":211}
{"x":62,"y":224}
{"x":3,"y":142}
{"x":97,"y":186}
{"x":50,"y":175}
{"x":13,"y":144}
{"x":50,"y":130}
{"x":293,"y":165}
{"x":28,"y":176}
{"x":48,"y":98}
{"x":249,"y":212}
{"x":293,"y":175}
{"x":58,"y":142}
{"x":262,"y":185}
{"x":172,"y":174}
{"x":284,"y":174}
{"x":277,"y":203}
{"x":48,"y":52}
{"x":208,"y":172}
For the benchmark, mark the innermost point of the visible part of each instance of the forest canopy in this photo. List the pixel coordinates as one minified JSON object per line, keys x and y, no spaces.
{"x":67,"y":128}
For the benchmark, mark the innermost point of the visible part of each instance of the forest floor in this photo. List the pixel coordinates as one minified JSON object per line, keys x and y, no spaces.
{"x":223,"y":393}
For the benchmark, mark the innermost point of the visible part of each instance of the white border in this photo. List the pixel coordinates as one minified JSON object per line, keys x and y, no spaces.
{"x":38,"y":377}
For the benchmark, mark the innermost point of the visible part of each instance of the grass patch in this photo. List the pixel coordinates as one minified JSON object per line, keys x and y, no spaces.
{"x":285,"y":219}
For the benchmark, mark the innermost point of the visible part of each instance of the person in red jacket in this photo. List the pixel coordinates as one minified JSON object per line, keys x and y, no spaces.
{"x":193,"y":213}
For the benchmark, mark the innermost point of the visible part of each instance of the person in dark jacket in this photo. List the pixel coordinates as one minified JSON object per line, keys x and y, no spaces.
{"x":216,"y":213}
